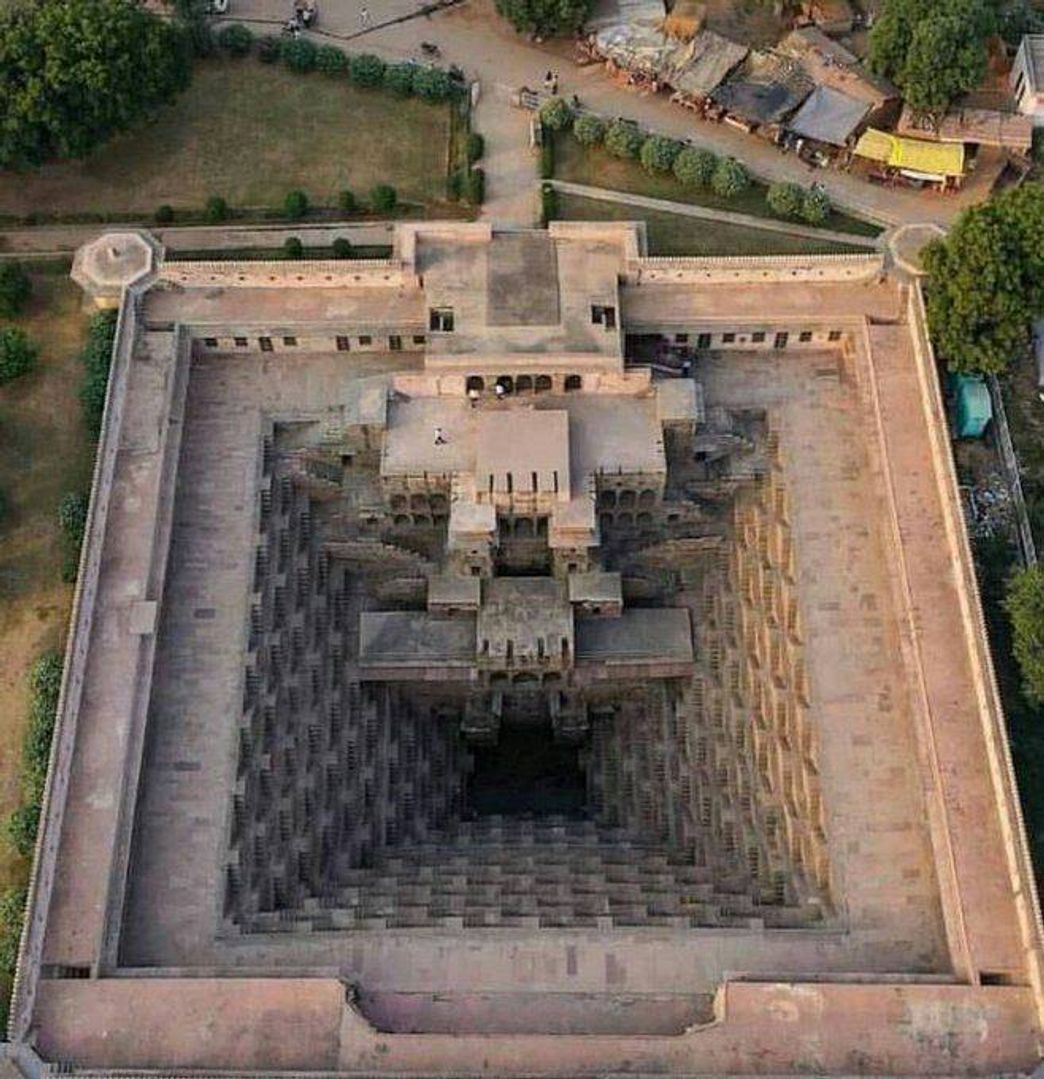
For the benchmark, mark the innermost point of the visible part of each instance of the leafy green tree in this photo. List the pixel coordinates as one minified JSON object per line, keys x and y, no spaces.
{"x":96,"y":358}
{"x":398,"y":78}
{"x":75,"y":72}
{"x":555,"y":114}
{"x":815,"y":206}
{"x":545,"y":18}
{"x":342,"y":248}
{"x":695,"y":168}
{"x":295,"y":205}
{"x":330,"y":60}
{"x":15,"y":288}
{"x":1024,"y":603}
{"x":216,"y":209}
{"x":623,"y":139}
{"x":934,"y":50}
{"x":17,"y":353}
{"x":299,"y":54}
{"x":986,"y":281}
{"x":658,"y":153}
{"x":235,"y":39}
{"x":293,"y":248}
{"x":366,"y":69}
{"x":730,"y":178}
{"x":383,"y":198}
{"x":588,"y":130}
{"x":784,"y":199}
{"x":431,"y":84}
{"x":164,"y":214}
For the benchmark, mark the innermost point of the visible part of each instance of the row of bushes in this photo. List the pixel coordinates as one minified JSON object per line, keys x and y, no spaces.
{"x":383,"y":199}
{"x":405,"y":79}
{"x":96,"y":358}
{"x":662,"y":155}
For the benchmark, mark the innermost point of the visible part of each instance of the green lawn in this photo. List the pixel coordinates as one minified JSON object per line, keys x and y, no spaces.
{"x":250,"y":132}
{"x":672,"y":234}
{"x":44,"y":452}
{"x":597,"y":168}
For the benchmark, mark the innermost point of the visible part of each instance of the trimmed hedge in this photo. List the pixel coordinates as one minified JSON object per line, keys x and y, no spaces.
{"x":96,"y":358}
{"x":547,"y":156}
{"x":476,"y":147}
{"x":475,"y":187}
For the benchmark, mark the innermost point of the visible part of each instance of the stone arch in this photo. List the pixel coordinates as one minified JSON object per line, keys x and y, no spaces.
{"x":475,"y":382}
{"x":524,"y":384}
{"x":573,"y":382}
{"x":543,"y":384}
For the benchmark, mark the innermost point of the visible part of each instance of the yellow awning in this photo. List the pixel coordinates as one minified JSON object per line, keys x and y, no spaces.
{"x":913,"y":155}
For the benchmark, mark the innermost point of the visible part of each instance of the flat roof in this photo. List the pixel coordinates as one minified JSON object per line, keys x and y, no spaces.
{"x":638,"y":634}
{"x":524,"y":449}
{"x":415,"y":637}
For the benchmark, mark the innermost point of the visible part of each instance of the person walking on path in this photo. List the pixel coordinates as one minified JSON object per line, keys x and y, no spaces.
{"x":440,"y":438}
{"x":364,"y":17}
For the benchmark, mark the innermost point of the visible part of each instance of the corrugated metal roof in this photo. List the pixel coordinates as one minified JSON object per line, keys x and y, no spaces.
{"x":912,"y":155}
{"x":987,"y":127}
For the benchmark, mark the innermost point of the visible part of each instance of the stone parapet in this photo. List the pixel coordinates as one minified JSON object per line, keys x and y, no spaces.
{"x":751,"y":269}
{"x":306,"y":273}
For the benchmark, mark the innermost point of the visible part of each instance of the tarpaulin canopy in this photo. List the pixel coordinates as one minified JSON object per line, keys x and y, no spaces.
{"x":912,"y":155}
{"x":699,"y":66}
{"x":828,"y":116}
{"x":764,"y":88}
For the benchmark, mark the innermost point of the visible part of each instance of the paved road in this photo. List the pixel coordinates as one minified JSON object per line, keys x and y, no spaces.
{"x":687,"y":209}
{"x":62,"y":239}
{"x":474,"y":37}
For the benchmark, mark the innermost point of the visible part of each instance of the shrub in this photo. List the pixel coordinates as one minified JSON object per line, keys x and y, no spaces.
{"x":236,"y":39}
{"x":815,"y":207}
{"x":548,"y":203}
{"x":299,"y":54}
{"x":216,"y":209}
{"x":15,"y":288}
{"x":200,"y":38}
{"x":342,"y":248}
{"x":295,"y":205}
{"x":455,"y":184}
{"x":588,"y":130}
{"x":431,"y":84}
{"x":398,"y":78}
{"x":694,"y":168}
{"x":556,"y":114}
{"x":17,"y":353}
{"x":476,"y":147}
{"x":623,"y":139}
{"x":330,"y":60}
{"x":5,"y":506}
{"x":658,"y":153}
{"x":475,"y":187}
{"x":366,"y":69}
{"x":730,"y":178}
{"x":346,"y":201}
{"x":268,"y":49}
{"x":164,"y":214}
{"x":96,"y":358}
{"x":383,"y":198}
{"x":784,"y":199}
{"x":292,"y":248}
{"x":72,"y":520}
{"x":547,"y":156}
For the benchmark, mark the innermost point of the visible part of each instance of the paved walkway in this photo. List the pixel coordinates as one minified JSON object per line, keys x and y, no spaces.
{"x":48,"y":240}
{"x":687,"y":209}
{"x":474,"y":37}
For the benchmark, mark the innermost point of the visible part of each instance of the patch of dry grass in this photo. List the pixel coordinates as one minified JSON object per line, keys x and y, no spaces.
{"x":44,"y":452}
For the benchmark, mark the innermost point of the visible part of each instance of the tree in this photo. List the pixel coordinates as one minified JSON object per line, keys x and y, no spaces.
{"x":17,"y":353}
{"x":295,"y":205}
{"x":658,"y":153}
{"x":555,"y":114}
{"x":730,"y":178}
{"x":1024,"y":602}
{"x":268,"y":48}
{"x":383,"y":198}
{"x":164,"y":214}
{"x":75,"y":72}
{"x":695,"y":168}
{"x":216,"y":209}
{"x":934,"y":50}
{"x":431,"y":84}
{"x":293,"y":248}
{"x":299,"y":54}
{"x":366,"y":69}
{"x":342,"y":248}
{"x":347,"y":201}
{"x":330,"y":60}
{"x":623,"y":139}
{"x":545,"y":18}
{"x":235,"y":39}
{"x":588,"y":130}
{"x":398,"y":78}
{"x":815,"y":206}
{"x":15,"y":289}
{"x":985,"y":281}
{"x":784,"y":199}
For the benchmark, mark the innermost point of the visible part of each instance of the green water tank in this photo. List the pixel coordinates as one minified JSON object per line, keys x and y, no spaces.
{"x":972,"y":407}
